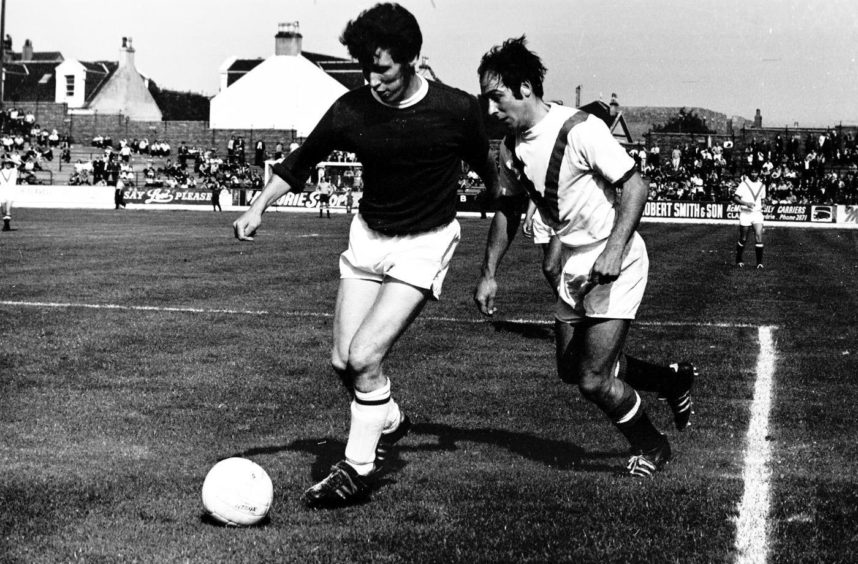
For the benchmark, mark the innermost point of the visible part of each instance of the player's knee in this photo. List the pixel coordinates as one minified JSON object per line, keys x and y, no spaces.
{"x":339,"y":365}
{"x":344,"y":375}
{"x":363,"y":362}
{"x":339,"y":362}
{"x":551,"y":271}
{"x":594,"y":385}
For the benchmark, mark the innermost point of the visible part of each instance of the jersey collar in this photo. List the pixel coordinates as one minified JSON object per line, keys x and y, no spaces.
{"x":422,"y":90}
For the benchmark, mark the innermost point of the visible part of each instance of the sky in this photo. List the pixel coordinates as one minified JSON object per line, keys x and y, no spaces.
{"x":795,"y":61}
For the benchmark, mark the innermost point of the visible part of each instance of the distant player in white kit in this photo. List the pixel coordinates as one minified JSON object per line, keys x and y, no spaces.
{"x":750,"y":195}
{"x":8,"y":190}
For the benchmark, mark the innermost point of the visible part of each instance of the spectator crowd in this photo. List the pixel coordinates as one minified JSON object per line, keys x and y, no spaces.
{"x":820,"y":167}
{"x":825,"y":171}
{"x":27,"y":144}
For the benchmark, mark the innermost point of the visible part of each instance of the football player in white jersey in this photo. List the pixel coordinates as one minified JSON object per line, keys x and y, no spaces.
{"x":570,"y":165}
{"x":8,"y":187}
{"x":749,"y":196}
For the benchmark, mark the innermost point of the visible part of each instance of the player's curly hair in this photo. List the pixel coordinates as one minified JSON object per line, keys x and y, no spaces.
{"x":515,"y":64}
{"x":386,"y":26}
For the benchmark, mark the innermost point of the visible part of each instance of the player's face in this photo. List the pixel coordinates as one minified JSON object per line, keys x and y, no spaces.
{"x":503,"y":104}
{"x":390,"y":80}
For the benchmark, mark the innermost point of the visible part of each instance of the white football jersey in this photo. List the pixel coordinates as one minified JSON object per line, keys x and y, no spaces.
{"x":568,"y":163}
{"x":8,"y":181}
{"x":752,"y":192}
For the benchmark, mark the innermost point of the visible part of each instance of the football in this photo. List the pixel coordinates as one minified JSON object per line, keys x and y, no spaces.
{"x":237,"y":492}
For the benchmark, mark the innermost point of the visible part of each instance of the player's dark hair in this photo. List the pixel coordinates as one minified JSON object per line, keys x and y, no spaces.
{"x":385,"y":26}
{"x":514,"y":64}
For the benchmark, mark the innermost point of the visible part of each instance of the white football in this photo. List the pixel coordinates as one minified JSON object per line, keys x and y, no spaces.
{"x":238,"y":492}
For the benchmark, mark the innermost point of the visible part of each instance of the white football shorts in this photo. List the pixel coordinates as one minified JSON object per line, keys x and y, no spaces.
{"x":749,"y":218}
{"x":620,"y":299}
{"x":8,"y":193}
{"x":541,"y":232}
{"x":420,"y":259}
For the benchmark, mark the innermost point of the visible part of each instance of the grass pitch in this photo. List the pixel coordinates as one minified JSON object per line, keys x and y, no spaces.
{"x":140,"y":347}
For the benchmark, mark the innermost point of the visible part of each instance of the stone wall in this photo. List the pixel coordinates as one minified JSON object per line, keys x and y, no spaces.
{"x":83,"y":127}
{"x":48,"y":114}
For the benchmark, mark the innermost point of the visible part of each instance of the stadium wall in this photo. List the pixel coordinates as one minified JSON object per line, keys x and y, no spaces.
{"x":101,"y":197}
{"x":48,"y":114}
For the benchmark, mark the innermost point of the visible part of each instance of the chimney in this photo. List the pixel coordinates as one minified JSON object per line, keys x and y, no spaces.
{"x":578,"y":96}
{"x":758,"y":119}
{"x":27,"y":51}
{"x":288,"y":39}
{"x":126,"y":53}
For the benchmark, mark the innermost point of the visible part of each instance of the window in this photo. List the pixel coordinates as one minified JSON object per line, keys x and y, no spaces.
{"x":69,"y":86}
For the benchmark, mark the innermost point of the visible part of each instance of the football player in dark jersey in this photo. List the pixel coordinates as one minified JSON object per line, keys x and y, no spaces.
{"x":410,"y":135}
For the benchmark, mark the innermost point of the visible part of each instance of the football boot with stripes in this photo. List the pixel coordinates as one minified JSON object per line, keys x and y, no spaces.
{"x":644,"y":464}
{"x":343,"y":486}
{"x":388,"y":440}
{"x":679,"y":398}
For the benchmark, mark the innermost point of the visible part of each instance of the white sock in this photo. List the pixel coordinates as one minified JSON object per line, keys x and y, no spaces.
{"x":393,"y":416}
{"x":369,"y":414}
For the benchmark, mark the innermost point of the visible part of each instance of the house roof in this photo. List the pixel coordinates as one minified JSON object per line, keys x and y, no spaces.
{"x":33,"y":81}
{"x":344,"y":71}
{"x":98,"y":74}
{"x":39,"y":57}
{"x":30,"y":81}
{"x":616,"y":123}
{"x":267,"y":97}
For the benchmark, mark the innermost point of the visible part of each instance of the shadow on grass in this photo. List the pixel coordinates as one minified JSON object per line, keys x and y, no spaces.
{"x":207,"y":519}
{"x":528,"y":330}
{"x":554,"y":453}
{"x":551,"y":452}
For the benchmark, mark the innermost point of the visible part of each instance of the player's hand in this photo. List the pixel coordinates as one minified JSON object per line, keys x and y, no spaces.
{"x":246,"y":225}
{"x":607,"y":267}
{"x":484,"y":295}
{"x":527,"y":228}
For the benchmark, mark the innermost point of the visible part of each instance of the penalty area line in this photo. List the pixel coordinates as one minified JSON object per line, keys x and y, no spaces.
{"x":474,"y":321}
{"x":752,"y":527}
{"x":134,"y":308}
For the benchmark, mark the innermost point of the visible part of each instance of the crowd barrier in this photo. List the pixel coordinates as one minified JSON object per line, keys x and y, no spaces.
{"x":102,"y":197}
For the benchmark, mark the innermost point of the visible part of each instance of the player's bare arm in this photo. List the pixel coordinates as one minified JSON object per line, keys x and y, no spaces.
{"x":630,"y":208}
{"x":744,"y":203}
{"x":488,"y":173}
{"x":501,"y":234}
{"x":247,"y":223}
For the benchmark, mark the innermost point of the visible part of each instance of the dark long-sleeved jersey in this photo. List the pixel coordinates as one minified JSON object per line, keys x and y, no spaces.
{"x":411,"y":156}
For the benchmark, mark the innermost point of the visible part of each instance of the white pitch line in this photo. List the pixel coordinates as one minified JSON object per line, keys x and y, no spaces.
{"x":134,"y":308}
{"x":476,"y":321}
{"x":752,"y":543}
